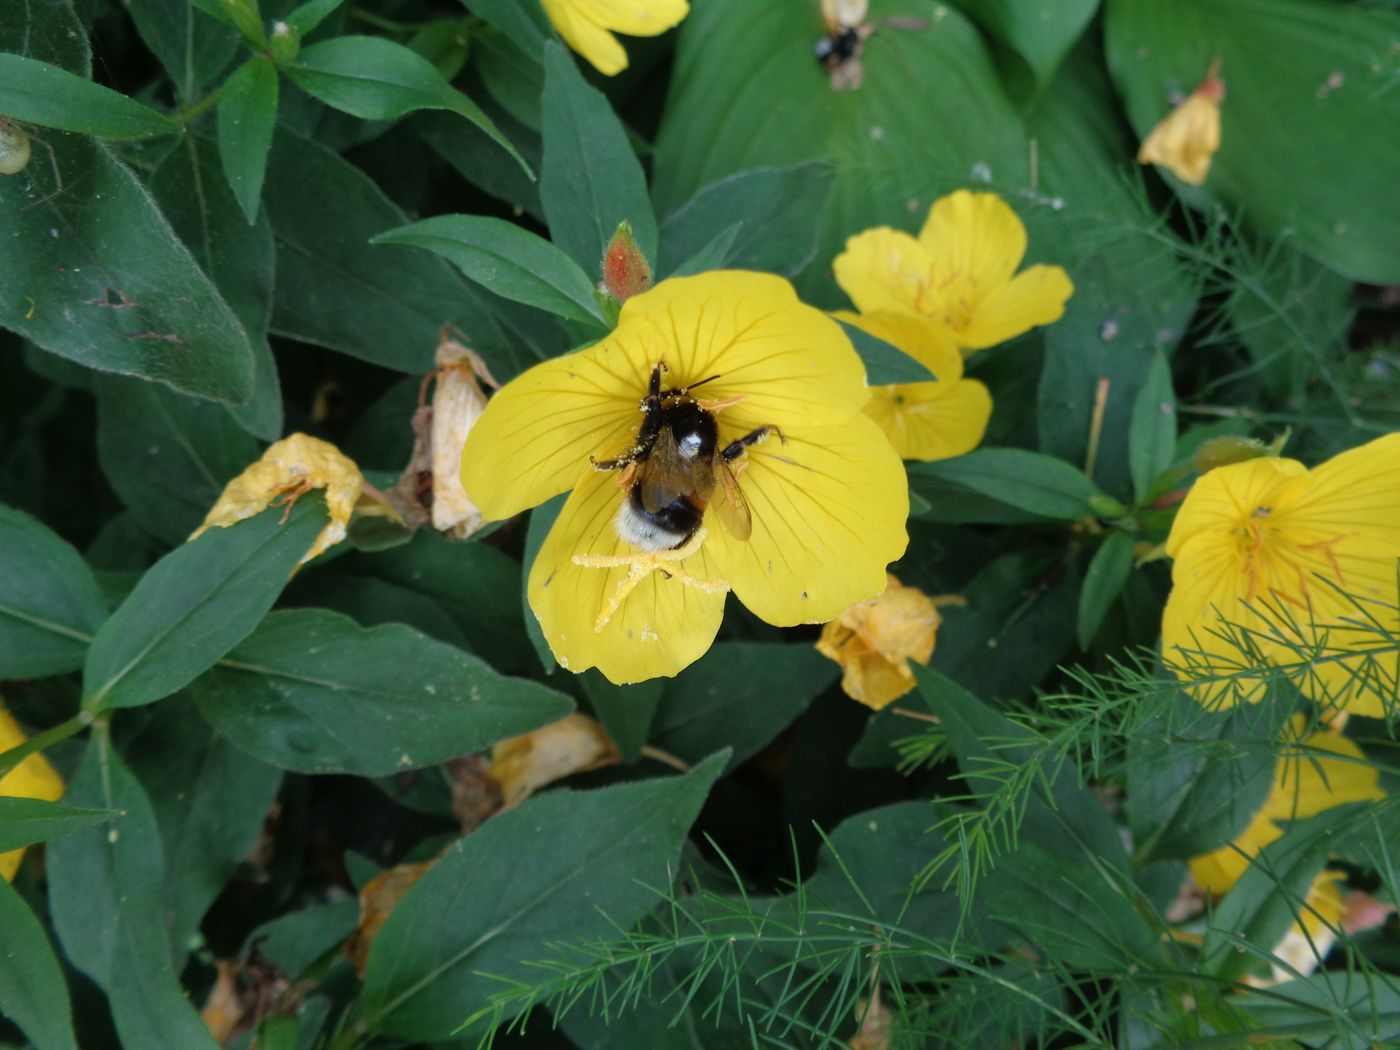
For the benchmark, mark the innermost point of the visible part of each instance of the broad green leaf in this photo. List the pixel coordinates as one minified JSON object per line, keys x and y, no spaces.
{"x":712,"y":705}
{"x":193,"y":48}
{"x":884,"y":362}
{"x":1152,"y":432}
{"x":53,"y":33}
{"x":308,"y":16}
{"x":929,"y":117}
{"x":1306,"y":88}
{"x":625,"y":711}
{"x":50,"y":605}
{"x":713,"y":256}
{"x":294,"y":941}
{"x":522,"y":23}
{"x":590,"y":179}
{"x":210,"y":800}
{"x":1269,"y":897}
{"x":466,"y":149}
{"x":479,"y":916}
{"x":196,"y":604}
{"x":25,"y":821}
{"x":239,"y":258}
{"x":506,"y":259}
{"x":313,"y":691}
{"x":1108,"y":572}
{"x":39,"y":93}
{"x":247,"y":115}
{"x":385,"y":304}
{"x":33,"y":992}
{"x":376,"y":79}
{"x":94,"y":274}
{"x":776,"y":208}
{"x":1027,"y":481}
{"x":1343,"y":1009}
{"x":1133,"y":291}
{"x":1040,"y":31}
{"x":167,"y":456}
{"x":107,"y":911}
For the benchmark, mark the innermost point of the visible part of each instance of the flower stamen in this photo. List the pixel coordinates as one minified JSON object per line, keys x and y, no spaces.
{"x":642,"y":564}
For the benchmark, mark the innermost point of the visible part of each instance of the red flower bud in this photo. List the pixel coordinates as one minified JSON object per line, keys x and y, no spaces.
{"x":626,"y":271}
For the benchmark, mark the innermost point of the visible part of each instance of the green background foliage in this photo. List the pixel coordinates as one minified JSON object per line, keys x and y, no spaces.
{"x":243,"y":219}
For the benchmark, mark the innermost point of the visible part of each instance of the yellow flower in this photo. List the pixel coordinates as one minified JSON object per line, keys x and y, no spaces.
{"x":1298,"y":563}
{"x":587,"y":26}
{"x":875,"y":640}
{"x":1185,"y":140}
{"x":524,"y":764}
{"x":32,"y":778}
{"x":637,"y":592}
{"x":290,"y":468}
{"x":931,"y":420}
{"x":959,"y":272}
{"x":1305,"y":784}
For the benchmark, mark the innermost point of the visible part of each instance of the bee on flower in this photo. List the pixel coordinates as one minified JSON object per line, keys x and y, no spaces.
{"x":713,"y":442}
{"x":588,"y":26}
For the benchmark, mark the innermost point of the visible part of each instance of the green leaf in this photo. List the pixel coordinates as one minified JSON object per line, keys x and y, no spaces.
{"x":94,"y":274}
{"x":1040,"y":31}
{"x":541,"y":521}
{"x":293,"y":942}
{"x":384,"y":304}
{"x":25,"y":821}
{"x":38,"y":93}
{"x":1028,"y":481}
{"x":746,"y":92}
{"x":107,"y":912}
{"x":884,"y":362}
{"x":478,"y":917}
{"x":524,"y":24}
{"x":1305,"y":88}
{"x":192,"y":48}
{"x":625,"y":711}
{"x":1108,"y":572}
{"x":713,"y":256}
{"x":775,"y":207}
{"x":239,"y":258}
{"x":210,"y":801}
{"x":247,"y":115}
{"x":376,"y":79}
{"x":466,"y":150}
{"x":712,"y":703}
{"x":1343,"y":1009}
{"x":196,"y":604}
{"x":167,"y":456}
{"x":1152,"y":432}
{"x":506,"y":259}
{"x":313,"y":691}
{"x":33,"y":992}
{"x":590,"y":179}
{"x":310,"y":15}
{"x":50,"y":604}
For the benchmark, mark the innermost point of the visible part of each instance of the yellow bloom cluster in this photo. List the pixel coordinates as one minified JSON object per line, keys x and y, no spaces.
{"x":1294,"y":566}
{"x":809,"y":498}
{"x":32,"y":778}
{"x":947,"y":293}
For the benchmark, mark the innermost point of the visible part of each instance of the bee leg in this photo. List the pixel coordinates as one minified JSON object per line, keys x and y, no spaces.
{"x":735,"y":448}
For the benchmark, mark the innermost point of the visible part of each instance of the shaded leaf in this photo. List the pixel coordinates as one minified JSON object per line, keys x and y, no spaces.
{"x":247,"y":115}
{"x":25,"y":821}
{"x":39,"y":93}
{"x":33,"y":992}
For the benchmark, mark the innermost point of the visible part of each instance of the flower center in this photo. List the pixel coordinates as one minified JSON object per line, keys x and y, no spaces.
{"x":1276,"y":564}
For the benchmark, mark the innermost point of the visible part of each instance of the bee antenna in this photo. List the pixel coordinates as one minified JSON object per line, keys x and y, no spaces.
{"x":702,"y":382}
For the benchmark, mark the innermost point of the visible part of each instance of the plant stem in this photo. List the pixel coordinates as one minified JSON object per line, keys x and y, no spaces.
{"x":15,"y":755}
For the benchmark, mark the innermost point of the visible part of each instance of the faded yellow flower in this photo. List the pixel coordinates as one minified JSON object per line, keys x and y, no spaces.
{"x":288,"y":469}
{"x":767,"y":480}
{"x":930,"y":420}
{"x":1185,"y":140}
{"x":35,"y":777}
{"x":875,"y":640}
{"x":1297,"y":565}
{"x":524,"y":764}
{"x":587,"y":26}
{"x":960,"y":272}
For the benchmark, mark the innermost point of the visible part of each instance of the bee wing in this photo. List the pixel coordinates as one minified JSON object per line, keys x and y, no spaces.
{"x":731,"y":506}
{"x":665,"y":474}
{"x":844,"y":14}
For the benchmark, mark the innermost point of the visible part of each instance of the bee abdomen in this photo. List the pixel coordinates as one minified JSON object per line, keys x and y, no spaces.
{"x":668,"y":527}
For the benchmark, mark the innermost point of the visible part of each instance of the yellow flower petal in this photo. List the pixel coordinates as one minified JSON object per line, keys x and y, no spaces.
{"x":35,"y":777}
{"x":1306,"y":782}
{"x":1216,"y":871}
{"x":1034,"y":297}
{"x":288,"y":468}
{"x":829,"y":511}
{"x":874,"y":641}
{"x":659,"y":628}
{"x":927,"y":342}
{"x":533,"y":440}
{"x":1185,"y":140}
{"x":885,"y":269}
{"x":598,"y":47}
{"x":524,"y":764}
{"x":633,"y":17}
{"x":975,"y":240}
{"x":928,"y":421}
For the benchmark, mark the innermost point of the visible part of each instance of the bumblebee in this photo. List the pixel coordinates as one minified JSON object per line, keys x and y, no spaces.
{"x":839,"y":49}
{"x":675,"y":467}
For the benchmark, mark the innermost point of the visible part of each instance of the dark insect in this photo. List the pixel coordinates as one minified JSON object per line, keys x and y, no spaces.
{"x":672,"y":471}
